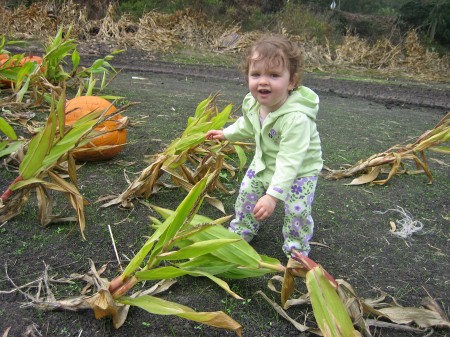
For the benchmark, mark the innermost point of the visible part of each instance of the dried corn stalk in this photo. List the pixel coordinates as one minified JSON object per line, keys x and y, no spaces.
{"x":396,"y":155}
{"x":189,"y":158}
{"x":337,"y":308}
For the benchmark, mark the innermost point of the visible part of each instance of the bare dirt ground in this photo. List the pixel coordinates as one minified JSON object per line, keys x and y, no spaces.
{"x":357,"y":119}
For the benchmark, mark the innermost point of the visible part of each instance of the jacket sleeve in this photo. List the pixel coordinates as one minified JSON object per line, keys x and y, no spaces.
{"x":294,"y":143}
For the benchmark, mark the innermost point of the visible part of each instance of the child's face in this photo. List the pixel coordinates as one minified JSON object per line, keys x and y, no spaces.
{"x":269,"y":83}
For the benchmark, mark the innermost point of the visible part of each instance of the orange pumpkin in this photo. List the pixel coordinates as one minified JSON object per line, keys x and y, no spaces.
{"x":106,"y":145}
{"x":3,"y":58}
{"x":30,"y":58}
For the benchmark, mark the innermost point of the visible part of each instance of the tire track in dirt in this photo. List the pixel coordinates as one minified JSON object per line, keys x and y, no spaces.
{"x":400,"y":93}
{"x":404,"y":93}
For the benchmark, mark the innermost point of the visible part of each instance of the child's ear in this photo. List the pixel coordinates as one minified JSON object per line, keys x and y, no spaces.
{"x":292,"y":84}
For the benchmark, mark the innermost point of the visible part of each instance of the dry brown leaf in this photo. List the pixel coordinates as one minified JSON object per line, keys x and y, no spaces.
{"x":424,"y":318}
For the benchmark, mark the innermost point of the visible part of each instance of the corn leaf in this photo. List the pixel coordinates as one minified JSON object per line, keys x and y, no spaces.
{"x":22,"y":91}
{"x":7,"y":129}
{"x":441,"y":149}
{"x":424,"y":318}
{"x":197,"y":249}
{"x":26,"y":182}
{"x":137,"y":260}
{"x":201,"y":107}
{"x":60,"y":111}
{"x":241,"y":272}
{"x":180,"y":216}
{"x":218,"y":121}
{"x":6,"y":148}
{"x":37,"y":150}
{"x":240,"y":253}
{"x":329,"y":311}
{"x":241,"y":155}
{"x":161,"y":273}
{"x":75,"y":133}
{"x":75,"y":60}
{"x":207,"y":263}
{"x":159,"y":306}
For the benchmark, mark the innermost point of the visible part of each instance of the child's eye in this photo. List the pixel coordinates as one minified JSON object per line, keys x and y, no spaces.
{"x":275,"y":75}
{"x":254,"y":74}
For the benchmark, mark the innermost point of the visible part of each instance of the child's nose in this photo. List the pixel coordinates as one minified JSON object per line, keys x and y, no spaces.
{"x":263,"y":80}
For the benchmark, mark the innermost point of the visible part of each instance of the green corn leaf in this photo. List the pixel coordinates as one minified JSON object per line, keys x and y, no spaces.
{"x":75,"y":60}
{"x":221,"y":119}
{"x":440,"y":149}
{"x":38,"y":148}
{"x":76,"y":133}
{"x":60,"y":51}
{"x":137,"y":260}
{"x":197,"y":249}
{"x":241,"y":155}
{"x":103,"y":84}
{"x":172,"y":272}
{"x":181,"y":144}
{"x":207,"y":263}
{"x":112,"y":97}
{"x":6,"y":148}
{"x":7,"y":129}
{"x":60,"y":111}
{"x":245,"y":272}
{"x":91,"y":116}
{"x":239,"y":253}
{"x":55,"y":154}
{"x":159,"y":306}
{"x":182,"y":212}
{"x":22,"y":91}
{"x":161,"y":273}
{"x":117,"y":51}
{"x":26,"y":182}
{"x":26,"y":70}
{"x":329,"y":311}
{"x":196,"y":220}
{"x":58,"y":37}
{"x":201,"y":107}
{"x":155,"y":305}
{"x":221,"y":283}
{"x":91,"y":85}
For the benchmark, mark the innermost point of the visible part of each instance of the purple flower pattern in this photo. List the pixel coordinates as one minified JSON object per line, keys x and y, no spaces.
{"x":251,"y":173}
{"x":296,"y":189}
{"x":298,"y":226}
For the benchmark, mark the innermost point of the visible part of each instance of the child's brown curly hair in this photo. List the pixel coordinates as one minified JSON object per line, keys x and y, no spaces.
{"x":276,"y":50}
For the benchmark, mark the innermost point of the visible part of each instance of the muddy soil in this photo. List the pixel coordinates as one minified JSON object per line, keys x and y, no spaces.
{"x":352,"y":235}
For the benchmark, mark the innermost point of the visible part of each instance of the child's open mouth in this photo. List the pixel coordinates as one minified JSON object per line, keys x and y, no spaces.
{"x":264,"y":91}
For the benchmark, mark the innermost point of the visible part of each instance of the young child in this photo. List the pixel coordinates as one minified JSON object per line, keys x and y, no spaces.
{"x":281,"y":117}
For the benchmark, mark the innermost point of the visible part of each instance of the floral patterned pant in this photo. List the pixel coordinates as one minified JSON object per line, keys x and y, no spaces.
{"x":298,"y":224}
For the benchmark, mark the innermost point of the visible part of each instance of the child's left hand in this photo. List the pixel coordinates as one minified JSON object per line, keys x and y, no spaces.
{"x":264,"y":207}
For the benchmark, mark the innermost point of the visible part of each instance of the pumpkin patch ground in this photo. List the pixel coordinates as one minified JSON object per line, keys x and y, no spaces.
{"x":354,"y":225}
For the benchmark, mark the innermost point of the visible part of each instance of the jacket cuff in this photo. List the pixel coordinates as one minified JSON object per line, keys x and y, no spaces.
{"x":276,"y":192}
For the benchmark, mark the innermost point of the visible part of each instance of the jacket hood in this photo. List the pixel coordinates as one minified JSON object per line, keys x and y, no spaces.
{"x":303,"y":100}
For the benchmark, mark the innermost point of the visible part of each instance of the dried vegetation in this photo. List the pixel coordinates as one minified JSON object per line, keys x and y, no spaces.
{"x":161,"y":32}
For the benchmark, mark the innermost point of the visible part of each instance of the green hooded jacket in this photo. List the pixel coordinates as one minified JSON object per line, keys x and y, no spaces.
{"x":287,"y":142}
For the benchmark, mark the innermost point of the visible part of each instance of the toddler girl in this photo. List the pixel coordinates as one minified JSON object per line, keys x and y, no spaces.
{"x":281,"y":117}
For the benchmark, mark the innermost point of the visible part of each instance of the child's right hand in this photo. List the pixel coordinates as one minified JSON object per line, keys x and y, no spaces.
{"x":215,"y":134}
